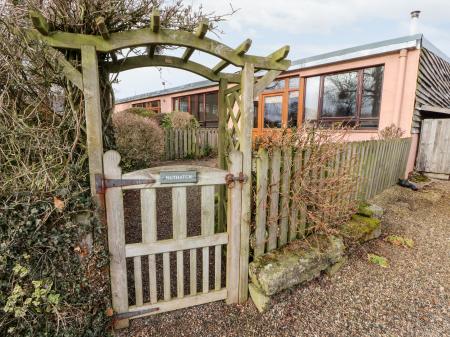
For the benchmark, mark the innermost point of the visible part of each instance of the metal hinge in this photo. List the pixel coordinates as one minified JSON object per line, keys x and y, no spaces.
{"x":230,"y":179}
{"x":102,"y":183}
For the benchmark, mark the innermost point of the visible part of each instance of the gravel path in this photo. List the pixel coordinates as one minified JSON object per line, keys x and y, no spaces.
{"x":410,"y":298}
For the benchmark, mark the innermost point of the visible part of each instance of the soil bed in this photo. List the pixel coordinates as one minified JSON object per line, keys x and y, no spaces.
{"x":410,"y":298}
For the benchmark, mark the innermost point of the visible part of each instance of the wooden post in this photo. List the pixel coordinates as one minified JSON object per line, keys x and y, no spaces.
{"x":91,"y":91}
{"x":246,"y":126}
{"x":94,"y":130}
{"x":221,"y":151}
{"x":233,"y":228}
{"x":116,"y":238}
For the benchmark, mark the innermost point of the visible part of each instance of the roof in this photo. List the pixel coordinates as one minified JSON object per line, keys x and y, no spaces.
{"x":406,"y":42}
{"x":184,"y":87}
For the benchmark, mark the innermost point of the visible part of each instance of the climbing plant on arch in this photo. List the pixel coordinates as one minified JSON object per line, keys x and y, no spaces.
{"x":236,"y":92}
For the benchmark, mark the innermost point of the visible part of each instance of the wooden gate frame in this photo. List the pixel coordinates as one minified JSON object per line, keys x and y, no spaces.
{"x":235,"y":103}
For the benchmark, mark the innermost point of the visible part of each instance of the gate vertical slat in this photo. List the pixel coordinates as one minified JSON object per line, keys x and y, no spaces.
{"x":193,"y":270}
{"x":207,"y":227}
{"x":234,"y":208}
{"x":217,"y":267}
{"x":179,"y":231}
{"x":116,"y":237}
{"x":148,"y":216}
{"x":138,"y":280}
{"x":166,"y":276}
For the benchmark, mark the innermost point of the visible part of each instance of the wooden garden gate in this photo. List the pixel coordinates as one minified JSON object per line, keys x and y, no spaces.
{"x":178,"y":178}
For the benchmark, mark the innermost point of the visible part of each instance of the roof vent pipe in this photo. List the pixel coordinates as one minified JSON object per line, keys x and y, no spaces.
{"x":414,"y":24}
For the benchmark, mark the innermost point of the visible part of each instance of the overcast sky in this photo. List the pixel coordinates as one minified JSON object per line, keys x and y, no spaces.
{"x":310,"y":27}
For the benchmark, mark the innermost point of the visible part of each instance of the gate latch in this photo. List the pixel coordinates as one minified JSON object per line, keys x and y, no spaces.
{"x":102,"y":183}
{"x":230,"y":179}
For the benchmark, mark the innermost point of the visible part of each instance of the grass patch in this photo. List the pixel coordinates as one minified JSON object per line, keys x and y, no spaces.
{"x":400,"y":241}
{"x":378,"y":260}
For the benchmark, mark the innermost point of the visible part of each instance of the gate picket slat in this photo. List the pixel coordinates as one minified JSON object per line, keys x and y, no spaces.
{"x":179,"y":217}
{"x":207,"y":228}
{"x":274,"y":199}
{"x":148,"y":218}
{"x":217,"y":267}
{"x":193,"y":270}
{"x":166,"y":276}
{"x":138,"y":280}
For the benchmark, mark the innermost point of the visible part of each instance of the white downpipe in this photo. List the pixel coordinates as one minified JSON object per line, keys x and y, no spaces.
{"x":403,"y":57}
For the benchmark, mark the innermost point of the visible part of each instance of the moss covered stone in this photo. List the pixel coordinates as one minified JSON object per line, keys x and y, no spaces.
{"x":296,"y":263}
{"x":260,"y":299}
{"x":361,"y":229}
{"x":371,"y":211}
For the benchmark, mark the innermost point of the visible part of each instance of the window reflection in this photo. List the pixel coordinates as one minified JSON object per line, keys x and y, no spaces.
{"x":339,"y":95}
{"x":276,"y":85}
{"x":294,"y":82}
{"x":255,"y":113}
{"x":272,"y":111}
{"x":184,"y":104}
{"x":312,"y":98}
{"x":211,"y":107}
{"x":292,"y":109}
{"x":371,"y":99}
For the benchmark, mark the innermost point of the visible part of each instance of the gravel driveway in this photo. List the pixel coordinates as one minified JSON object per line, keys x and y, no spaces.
{"x":410,"y":298}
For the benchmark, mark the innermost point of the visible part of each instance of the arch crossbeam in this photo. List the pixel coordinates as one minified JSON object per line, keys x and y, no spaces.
{"x":169,"y":61}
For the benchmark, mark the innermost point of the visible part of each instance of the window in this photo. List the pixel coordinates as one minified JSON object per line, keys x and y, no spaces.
{"x":312,"y":94}
{"x":276,"y":85}
{"x":211,"y":107}
{"x":152,"y":105}
{"x":204,"y":107}
{"x":292,"y":109}
{"x":339,"y":95}
{"x":255,"y":112}
{"x":272,"y":111}
{"x":353,"y":97}
{"x":184,"y":104}
{"x":278,"y":104}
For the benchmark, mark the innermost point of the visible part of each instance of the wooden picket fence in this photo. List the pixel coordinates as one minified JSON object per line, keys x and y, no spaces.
{"x":190,"y":143}
{"x":378,"y":164}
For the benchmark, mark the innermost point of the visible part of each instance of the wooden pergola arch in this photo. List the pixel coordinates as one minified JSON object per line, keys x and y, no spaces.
{"x":235,"y":102}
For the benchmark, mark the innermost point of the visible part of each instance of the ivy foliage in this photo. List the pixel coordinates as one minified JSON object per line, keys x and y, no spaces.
{"x":49,"y":284}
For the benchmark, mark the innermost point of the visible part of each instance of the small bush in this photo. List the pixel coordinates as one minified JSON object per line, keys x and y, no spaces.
{"x":140,"y":141}
{"x":391,"y":132}
{"x":180,"y":120}
{"x":159,"y":118}
{"x":143,"y":112}
{"x":319,"y":187}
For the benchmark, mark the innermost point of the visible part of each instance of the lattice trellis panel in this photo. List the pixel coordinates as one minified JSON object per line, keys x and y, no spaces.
{"x":233,"y":115}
